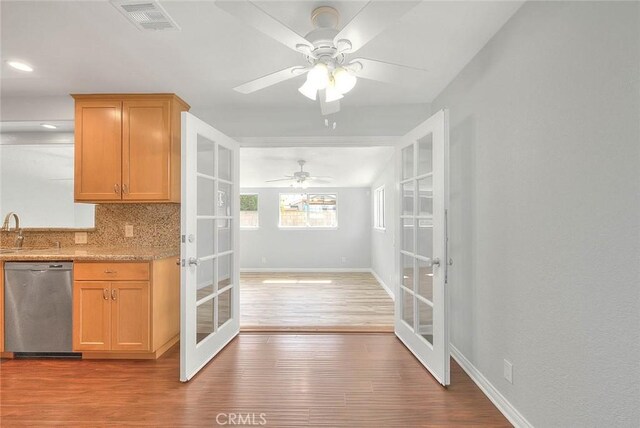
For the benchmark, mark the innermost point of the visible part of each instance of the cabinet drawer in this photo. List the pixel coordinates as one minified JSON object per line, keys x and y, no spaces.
{"x":111,"y":271}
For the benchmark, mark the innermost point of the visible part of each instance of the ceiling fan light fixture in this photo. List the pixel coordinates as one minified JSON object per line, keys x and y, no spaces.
{"x":308,"y":90}
{"x":332,"y":93}
{"x":318,"y":76}
{"x":344,"y":80}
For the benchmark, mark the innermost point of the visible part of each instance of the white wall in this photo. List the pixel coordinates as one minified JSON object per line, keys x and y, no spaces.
{"x":36,"y":181}
{"x":382,"y":242}
{"x":310,"y":249}
{"x":545,"y":212}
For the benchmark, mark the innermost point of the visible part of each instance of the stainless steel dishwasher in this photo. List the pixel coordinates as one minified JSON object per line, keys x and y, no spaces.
{"x":37,"y":311}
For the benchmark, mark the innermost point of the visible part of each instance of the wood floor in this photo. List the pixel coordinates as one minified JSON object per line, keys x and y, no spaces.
{"x":314,"y":302}
{"x":332,"y":380}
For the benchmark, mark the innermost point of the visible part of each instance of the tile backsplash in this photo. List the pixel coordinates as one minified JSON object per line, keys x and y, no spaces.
{"x":154,"y":225}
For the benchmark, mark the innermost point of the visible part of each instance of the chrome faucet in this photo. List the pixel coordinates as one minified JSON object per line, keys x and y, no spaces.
{"x":5,"y":227}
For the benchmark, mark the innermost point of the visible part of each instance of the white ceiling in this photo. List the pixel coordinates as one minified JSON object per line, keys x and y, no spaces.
{"x":82,"y":46}
{"x":348,"y":166}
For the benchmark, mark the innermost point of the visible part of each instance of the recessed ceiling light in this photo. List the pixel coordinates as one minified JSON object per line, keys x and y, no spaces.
{"x":20,"y":66}
{"x":48,"y":126}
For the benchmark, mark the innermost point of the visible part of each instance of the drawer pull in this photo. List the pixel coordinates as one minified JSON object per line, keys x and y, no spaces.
{"x":110,"y":271}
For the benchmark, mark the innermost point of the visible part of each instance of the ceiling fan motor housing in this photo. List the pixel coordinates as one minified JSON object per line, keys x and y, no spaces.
{"x":325,"y":20}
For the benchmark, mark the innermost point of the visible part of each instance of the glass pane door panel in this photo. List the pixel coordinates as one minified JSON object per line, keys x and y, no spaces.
{"x":407,"y":271}
{"x":407,"y":234}
{"x":205,"y":320}
{"x":205,"y":238}
{"x":425,"y":238}
{"x":408,"y":193}
{"x":224,"y":199}
{"x":407,"y":306}
{"x":224,"y":163}
{"x":206,"y":204}
{"x":206,"y":157}
{"x":224,"y":235}
{"x":425,"y":197}
{"x":224,"y":307}
{"x":425,"y":154}
{"x":425,"y":280}
{"x":225,"y":271}
{"x":425,"y":321}
{"x":205,"y":271}
{"x":407,"y":162}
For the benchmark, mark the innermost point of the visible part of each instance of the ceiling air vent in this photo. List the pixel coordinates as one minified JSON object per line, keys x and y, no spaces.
{"x":146,"y":15}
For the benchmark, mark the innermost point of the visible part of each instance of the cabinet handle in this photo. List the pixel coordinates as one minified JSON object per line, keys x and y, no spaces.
{"x":116,"y":188}
{"x":125,"y":189}
{"x":113,"y":294}
{"x":105,"y":294}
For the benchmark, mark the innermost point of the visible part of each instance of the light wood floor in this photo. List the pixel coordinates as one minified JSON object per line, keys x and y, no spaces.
{"x":314,"y":302}
{"x":332,"y":380}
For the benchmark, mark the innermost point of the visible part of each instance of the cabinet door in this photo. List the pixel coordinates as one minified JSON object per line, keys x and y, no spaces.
{"x":146,"y":143}
{"x":98,"y":150}
{"x":130,"y":324}
{"x":91,"y":316}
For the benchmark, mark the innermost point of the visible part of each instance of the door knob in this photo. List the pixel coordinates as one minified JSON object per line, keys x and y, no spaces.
{"x":435,"y":262}
{"x":193,"y":261}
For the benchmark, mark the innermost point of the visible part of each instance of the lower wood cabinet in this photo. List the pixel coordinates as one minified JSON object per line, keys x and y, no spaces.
{"x":111,"y":316}
{"x":125,"y":309}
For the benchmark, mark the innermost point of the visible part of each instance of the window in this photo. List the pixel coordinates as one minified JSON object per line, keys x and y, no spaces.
{"x":249,"y":211}
{"x":378,"y":208}
{"x":308,"y":210}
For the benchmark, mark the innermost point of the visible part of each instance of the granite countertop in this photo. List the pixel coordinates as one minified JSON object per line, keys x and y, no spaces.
{"x":82,"y":253}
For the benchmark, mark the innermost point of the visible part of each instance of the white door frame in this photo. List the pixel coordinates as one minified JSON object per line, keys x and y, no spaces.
{"x":194,"y":354}
{"x":434,"y":356}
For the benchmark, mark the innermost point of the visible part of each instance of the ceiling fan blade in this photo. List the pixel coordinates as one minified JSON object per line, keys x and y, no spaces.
{"x":270,"y":79}
{"x":386,"y":71}
{"x":279,"y":179}
{"x":325,"y":107}
{"x":320,"y":177}
{"x":319,"y":180}
{"x":253,"y":15}
{"x":372,"y":20}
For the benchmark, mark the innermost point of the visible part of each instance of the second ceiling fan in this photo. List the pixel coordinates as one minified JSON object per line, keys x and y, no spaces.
{"x":325,"y":49}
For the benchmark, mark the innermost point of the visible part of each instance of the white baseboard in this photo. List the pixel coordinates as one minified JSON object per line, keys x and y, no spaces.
{"x":310,"y":270}
{"x":385,"y":286}
{"x":507,"y":409}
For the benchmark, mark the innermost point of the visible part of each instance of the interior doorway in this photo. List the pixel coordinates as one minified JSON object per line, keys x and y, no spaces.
{"x":211,"y":239}
{"x":306,"y":226}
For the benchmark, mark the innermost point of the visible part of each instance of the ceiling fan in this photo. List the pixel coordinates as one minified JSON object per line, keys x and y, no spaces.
{"x":325,"y":49}
{"x":301,"y":178}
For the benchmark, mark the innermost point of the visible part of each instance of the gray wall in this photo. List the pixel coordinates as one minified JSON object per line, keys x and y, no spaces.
{"x":545,"y":212}
{"x":310,"y":249}
{"x":382,"y":242}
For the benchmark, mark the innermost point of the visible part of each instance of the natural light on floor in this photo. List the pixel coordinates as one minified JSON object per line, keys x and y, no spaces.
{"x":297,"y":281}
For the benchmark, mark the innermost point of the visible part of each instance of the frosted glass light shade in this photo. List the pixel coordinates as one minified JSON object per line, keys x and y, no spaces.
{"x":308,"y":90}
{"x":344,"y":80}
{"x":332,"y":94}
{"x":318,"y":76}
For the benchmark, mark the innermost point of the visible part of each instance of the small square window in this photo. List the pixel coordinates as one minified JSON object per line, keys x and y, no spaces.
{"x":310,"y":210}
{"x":249,"y":218}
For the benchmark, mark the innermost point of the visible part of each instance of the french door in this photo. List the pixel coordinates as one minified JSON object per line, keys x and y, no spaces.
{"x":209,"y":293}
{"x":421,"y":319}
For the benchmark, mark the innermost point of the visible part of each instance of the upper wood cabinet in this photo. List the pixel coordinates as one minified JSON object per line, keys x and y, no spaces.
{"x":127,"y":147}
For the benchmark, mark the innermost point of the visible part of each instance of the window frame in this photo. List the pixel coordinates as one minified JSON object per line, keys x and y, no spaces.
{"x":307,"y":227}
{"x":377,"y":225}
{"x":257,"y":195}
